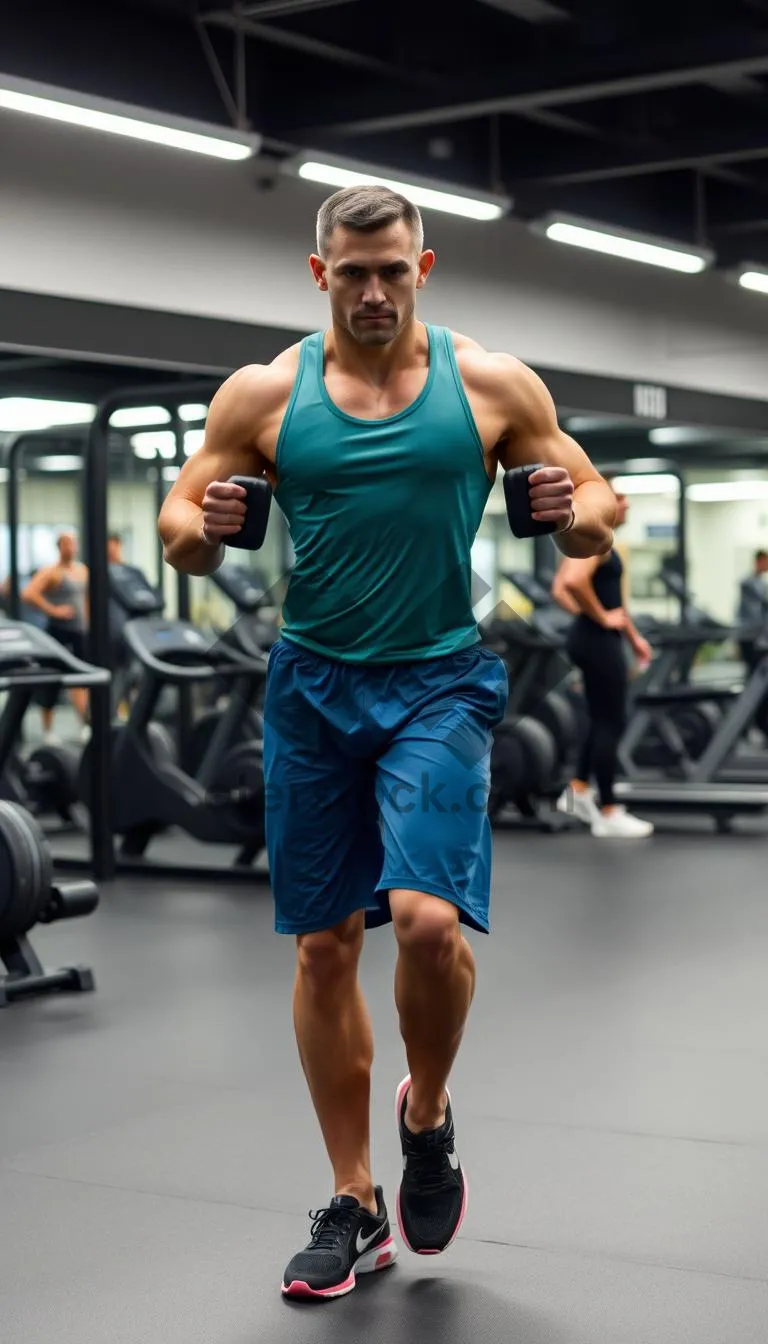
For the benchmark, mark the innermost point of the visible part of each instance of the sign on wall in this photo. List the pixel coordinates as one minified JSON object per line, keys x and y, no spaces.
{"x":650,"y":402}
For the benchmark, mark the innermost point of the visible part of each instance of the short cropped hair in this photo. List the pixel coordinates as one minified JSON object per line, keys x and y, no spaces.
{"x":367,"y":209}
{"x":115,"y":536}
{"x":761,"y":555}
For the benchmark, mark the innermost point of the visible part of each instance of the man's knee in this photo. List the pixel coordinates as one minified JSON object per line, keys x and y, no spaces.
{"x":426,"y":927}
{"x":327,"y":958}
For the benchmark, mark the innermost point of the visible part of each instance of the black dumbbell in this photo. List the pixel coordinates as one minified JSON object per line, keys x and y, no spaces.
{"x":518,"y":501}
{"x":258,"y":499}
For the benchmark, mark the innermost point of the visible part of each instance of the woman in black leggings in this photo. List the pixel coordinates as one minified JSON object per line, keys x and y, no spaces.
{"x":591,"y":589}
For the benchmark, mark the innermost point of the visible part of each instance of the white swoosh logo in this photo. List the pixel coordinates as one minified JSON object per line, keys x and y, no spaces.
{"x":453,"y":1158}
{"x":364,"y":1242}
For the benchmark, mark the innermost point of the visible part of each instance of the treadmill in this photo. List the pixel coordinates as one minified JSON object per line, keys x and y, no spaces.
{"x":706,"y":785}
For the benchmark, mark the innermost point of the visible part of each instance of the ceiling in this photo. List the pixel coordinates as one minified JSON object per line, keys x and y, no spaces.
{"x":632,"y":112}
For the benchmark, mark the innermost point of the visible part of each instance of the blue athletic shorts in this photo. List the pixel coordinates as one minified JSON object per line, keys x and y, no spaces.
{"x":377,"y":779}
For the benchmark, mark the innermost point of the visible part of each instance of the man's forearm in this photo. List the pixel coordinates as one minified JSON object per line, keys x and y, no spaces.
{"x":181,"y":531}
{"x":594,"y":509}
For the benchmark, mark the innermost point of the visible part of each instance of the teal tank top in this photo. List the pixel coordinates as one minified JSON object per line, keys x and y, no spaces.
{"x":382,"y":516}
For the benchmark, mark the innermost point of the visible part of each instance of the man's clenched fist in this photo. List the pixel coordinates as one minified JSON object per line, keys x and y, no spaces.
{"x":551,"y":495}
{"x":223,"y":511}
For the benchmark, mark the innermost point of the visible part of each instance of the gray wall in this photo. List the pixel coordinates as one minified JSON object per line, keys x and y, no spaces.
{"x":98,"y":218}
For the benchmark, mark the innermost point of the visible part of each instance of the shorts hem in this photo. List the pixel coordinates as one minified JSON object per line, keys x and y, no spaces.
{"x":293,"y":927}
{"x":410,"y":883}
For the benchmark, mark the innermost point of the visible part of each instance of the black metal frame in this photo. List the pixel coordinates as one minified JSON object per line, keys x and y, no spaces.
{"x":101,"y":862}
{"x":95,"y":509}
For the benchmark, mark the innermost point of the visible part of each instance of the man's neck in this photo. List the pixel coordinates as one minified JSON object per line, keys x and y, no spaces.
{"x":377,"y":363}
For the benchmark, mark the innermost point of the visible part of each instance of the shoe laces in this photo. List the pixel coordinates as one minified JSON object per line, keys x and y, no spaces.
{"x":426,"y":1165}
{"x":329,"y":1226}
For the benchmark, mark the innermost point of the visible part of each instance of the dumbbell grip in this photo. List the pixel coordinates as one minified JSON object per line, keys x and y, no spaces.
{"x":518,"y":501}
{"x":258,"y":499}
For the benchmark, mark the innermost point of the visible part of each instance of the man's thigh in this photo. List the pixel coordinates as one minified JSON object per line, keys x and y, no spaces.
{"x":432,"y":787}
{"x":323,"y":840}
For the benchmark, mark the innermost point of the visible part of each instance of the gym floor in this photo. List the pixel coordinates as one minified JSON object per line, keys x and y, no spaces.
{"x":158,"y":1152}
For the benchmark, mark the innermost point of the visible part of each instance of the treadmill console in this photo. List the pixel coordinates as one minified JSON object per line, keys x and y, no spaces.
{"x":241,"y":585}
{"x":132,"y":591}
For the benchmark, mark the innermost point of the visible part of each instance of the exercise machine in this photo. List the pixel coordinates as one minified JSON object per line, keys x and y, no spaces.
{"x":46,"y":781}
{"x":252,"y":634}
{"x":223,"y":802}
{"x":28,"y":897}
{"x":30,"y":659}
{"x":535,"y":745}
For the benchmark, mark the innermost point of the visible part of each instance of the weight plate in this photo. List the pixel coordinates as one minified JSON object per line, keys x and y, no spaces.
{"x":25,"y":871}
{"x":557,"y":715}
{"x":238,"y":789}
{"x":540,"y":754}
{"x":51,"y":778}
{"x":204,"y":728}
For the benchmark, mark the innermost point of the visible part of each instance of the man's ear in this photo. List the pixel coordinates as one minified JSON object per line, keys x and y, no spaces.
{"x":319,"y":271}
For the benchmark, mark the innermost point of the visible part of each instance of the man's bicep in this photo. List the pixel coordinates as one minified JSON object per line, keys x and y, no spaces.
{"x":214,"y":463}
{"x":534,"y":434}
{"x":550,"y":447}
{"x":228,"y":448}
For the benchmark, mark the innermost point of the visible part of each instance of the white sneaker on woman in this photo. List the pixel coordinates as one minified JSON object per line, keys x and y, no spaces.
{"x":579,"y":803}
{"x":620,"y":825}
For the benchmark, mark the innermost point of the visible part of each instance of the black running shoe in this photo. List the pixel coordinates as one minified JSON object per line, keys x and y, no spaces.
{"x":346,"y":1241}
{"x":432,"y":1200}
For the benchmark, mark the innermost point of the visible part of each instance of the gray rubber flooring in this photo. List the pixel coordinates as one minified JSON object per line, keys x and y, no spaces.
{"x":158,"y":1153}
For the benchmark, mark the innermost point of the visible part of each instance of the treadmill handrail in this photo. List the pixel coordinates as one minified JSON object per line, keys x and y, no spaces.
{"x":80,"y":672}
{"x":192,"y":672}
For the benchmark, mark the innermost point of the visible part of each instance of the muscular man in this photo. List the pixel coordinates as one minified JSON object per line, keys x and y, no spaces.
{"x":382,"y":438}
{"x":60,"y":592}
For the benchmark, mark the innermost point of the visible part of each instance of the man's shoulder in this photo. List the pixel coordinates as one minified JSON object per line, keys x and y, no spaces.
{"x":491,"y":370}
{"x":263,"y":382}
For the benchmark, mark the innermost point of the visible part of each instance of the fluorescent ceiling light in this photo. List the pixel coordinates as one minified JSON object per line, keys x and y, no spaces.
{"x":648,"y":464}
{"x":28,"y":413}
{"x":152,"y":444}
{"x":646,"y":485}
{"x":162,"y":443}
{"x":621,"y":243}
{"x":753,"y":279}
{"x":668,"y":435}
{"x":103,"y":114}
{"x":193,"y":439}
{"x":423,"y":193}
{"x":726,"y":492}
{"x":133,"y":417}
{"x":193,"y":411}
{"x":60,"y":463}
{"x":581,"y":424}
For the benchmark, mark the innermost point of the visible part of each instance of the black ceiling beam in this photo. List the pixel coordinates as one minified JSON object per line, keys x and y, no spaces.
{"x":531,"y":11}
{"x":563,"y":83}
{"x":732,"y":229}
{"x":313,"y":46}
{"x":700,"y":150}
{"x":271,"y":9}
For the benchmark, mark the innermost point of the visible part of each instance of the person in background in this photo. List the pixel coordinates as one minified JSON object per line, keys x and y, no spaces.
{"x":591,"y":589}
{"x":753,"y":608}
{"x":60,"y":592}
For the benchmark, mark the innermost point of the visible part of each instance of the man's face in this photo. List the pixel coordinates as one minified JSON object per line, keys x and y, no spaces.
{"x":67,"y":548}
{"x":114,"y":551}
{"x":372,"y":279}
{"x":762,"y":564}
